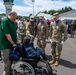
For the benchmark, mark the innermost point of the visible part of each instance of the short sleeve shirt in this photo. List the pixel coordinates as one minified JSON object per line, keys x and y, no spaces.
{"x":8,"y":27}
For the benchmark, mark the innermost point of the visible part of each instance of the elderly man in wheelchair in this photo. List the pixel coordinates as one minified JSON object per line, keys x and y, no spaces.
{"x":33,"y":62}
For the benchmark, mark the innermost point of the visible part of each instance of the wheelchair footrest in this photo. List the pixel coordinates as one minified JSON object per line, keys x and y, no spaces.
{"x":33,"y":62}
{"x":41,"y":70}
{"x":28,"y":59}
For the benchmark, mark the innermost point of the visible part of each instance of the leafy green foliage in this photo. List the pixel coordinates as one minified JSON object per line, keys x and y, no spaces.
{"x":66,"y":9}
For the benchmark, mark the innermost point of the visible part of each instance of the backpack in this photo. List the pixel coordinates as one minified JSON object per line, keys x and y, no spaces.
{"x":14,"y":55}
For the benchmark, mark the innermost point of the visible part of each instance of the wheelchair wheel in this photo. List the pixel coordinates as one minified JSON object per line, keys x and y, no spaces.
{"x":23,"y":68}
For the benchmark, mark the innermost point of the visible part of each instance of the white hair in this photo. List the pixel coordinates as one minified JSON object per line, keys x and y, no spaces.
{"x":12,"y":12}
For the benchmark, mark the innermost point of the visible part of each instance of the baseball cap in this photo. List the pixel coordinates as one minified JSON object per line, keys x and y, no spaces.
{"x":26,"y":40}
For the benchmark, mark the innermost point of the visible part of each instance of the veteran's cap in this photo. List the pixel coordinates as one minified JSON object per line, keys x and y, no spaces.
{"x":31,"y":16}
{"x":55,"y":15}
{"x":41,"y":17}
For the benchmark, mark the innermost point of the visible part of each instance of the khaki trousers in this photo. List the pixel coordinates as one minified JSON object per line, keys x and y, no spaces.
{"x":6,"y":62}
{"x":56,"y":50}
{"x":42,"y":44}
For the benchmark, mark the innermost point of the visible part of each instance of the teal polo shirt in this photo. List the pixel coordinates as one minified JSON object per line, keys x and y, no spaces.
{"x":7,"y":27}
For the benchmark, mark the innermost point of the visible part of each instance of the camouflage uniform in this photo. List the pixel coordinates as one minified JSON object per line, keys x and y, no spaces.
{"x":22,"y":30}
{"x":27,"y":29}
{"x":72,"y":29}
{"x":42,"y":35}
{"x":56,"y":31}
{"x":30,"y":27}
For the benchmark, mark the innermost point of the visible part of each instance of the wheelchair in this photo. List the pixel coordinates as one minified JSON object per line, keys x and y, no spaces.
{"x":27,"y":66}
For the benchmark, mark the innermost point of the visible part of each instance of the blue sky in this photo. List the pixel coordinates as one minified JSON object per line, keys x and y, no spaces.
{"x":25,"y":7}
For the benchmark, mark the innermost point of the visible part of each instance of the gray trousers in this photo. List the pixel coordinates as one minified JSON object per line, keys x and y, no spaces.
{"x":6,"y":62}
{"x":72,"y":34}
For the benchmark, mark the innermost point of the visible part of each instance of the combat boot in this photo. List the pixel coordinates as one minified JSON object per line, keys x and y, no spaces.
{"x":56,"y":63}
{"x":52,"y":62}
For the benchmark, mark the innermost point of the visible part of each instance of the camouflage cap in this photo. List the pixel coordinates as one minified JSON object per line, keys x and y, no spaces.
{"x":55,"y":15}
{"x":41,"y":17}
{"x":31,"y":16}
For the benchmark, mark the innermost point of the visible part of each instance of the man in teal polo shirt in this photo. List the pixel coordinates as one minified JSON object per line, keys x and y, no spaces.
{"x":8,"y":39}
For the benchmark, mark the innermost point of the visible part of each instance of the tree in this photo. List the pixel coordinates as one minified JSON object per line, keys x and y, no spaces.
{"x":45,"y":12}
{"x":30,"y":15}
{"x":70,"y":8}
{"x":65,"y":9}
{"x":19,"y":17}
{"x":2,"y":14}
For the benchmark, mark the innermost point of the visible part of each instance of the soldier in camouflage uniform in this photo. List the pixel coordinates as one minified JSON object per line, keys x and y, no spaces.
{"x":42,"y":33}
{"x":57,"y":28}
{"x":72,"y":29}
{"x":22,"y":31}
{"x":30,"y":28}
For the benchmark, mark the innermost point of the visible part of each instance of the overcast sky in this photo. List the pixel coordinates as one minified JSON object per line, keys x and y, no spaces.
{"x":25,"y":7}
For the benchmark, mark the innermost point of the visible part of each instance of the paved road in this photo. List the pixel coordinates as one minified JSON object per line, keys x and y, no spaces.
{"x":68,"y":58}
{"x":67,"y":64}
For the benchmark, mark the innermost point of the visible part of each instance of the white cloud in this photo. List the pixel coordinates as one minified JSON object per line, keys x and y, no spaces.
{"x":40,"y":5}
{"x":1,"y":7}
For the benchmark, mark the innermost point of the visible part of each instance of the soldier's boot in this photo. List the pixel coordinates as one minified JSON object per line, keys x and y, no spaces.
{"x":52,"y":61}
{"x":56,"y":63}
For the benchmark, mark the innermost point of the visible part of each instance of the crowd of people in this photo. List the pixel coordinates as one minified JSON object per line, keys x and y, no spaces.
{"x":13,"y":31}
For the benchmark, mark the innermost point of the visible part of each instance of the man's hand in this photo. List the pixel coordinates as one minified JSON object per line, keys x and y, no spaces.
{"x":62,"y":42}
{"x":19,"y":41}
{"x":21,"y":34}
{"x":14,"y":45}
{"x":31,"y":36}
{"x":36,"y":38}
{"x":48,"y":40}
